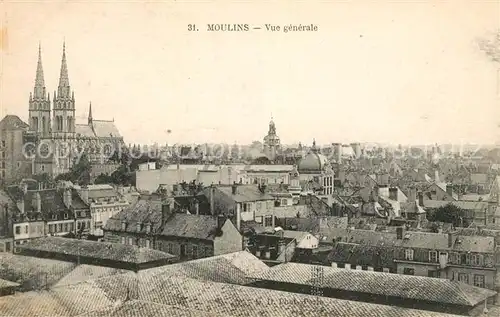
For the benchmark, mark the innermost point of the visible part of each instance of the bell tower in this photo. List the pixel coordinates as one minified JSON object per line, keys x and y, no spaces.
{"x":64,"y":104}
{"x":39,"y":103}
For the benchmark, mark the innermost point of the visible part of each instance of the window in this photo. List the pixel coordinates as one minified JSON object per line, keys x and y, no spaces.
{"x":3,"y":143}
{"x":43,"y":168}
{"x":148,"y":228}
{"x":147,"y":243}
{"x":82,"y":214}
{"x":131,"y":241}
{"x":433,"y":256}
{"x":123,"y":240}
{"x":244,"y":207}
{"x":19,"y":165}
{"x":25,"y":229}
{"x":124,"y":225}
{"x":258,"y":219}
{"x":65,"y":216}
{"x":268,"y":221}
{"x":3,"y":164}
{"x":54,"y":217}
{"x":408,"y":271}
{"x":170,"y":247}
{"x":18,"y":230}
{"x":477,"y":259}
{"x":3,"y":155}
{"x":283,"y":202}
{"x":433,"y":273}
{"x":478,"y":280}
{"x":195,"y":251}
{"x":409,"y":254}
{"x":51,"y":228}
{"x":463,"y":277}
{"x":259,"y":205}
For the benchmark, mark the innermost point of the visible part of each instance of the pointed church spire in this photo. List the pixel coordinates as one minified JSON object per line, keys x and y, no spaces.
{"x":39,"y":79}
{"x":90,"y":113}
{"x":63,"y":78}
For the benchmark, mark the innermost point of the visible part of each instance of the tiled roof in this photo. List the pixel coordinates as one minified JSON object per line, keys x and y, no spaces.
{"x":137,"y":308}
{"x":412,"y":239}
{"x":105,"y":129}
{"x":84,"y":272}
{"x":393,"y":285}
{"x":96,"y":250}
{"x":32,"y":273}
{"x":231,"y":268}
{"x":361,"y":254}
{"x":5,"y":283}
{"x":467,"y":205}
{"x":190,"y":226}
{"x":245,"y":193}
{"x":141,"y":294}
{"x":84,"y":130}
{"x":143,"y":211}
{"x":12,"y":122}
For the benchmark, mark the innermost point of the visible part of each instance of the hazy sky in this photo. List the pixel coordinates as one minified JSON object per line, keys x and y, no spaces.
{"x":394,"y":72}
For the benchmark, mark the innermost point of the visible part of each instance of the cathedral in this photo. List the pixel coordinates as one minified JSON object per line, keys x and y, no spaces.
{"x":54,"y":131}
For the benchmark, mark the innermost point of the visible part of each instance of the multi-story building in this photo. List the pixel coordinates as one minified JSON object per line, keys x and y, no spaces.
{"x":45,"y":212}
{"x":13,"y":161}
{"x":104,"y":202}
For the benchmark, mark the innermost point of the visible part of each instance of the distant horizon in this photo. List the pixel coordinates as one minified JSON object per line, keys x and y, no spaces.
{"x":393,"y":73}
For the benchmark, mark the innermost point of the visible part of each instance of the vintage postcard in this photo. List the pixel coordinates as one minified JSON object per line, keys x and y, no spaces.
{"x":249,"y":158}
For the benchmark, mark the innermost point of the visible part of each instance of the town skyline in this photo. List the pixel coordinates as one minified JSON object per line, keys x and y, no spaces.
{"x":441,"y":92}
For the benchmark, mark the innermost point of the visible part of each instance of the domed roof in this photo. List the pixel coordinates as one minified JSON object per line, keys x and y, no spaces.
{"x":313,"y":161}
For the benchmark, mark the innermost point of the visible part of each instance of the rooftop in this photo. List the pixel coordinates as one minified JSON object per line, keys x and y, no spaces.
{"x":386,"y":284}
{"x":96,"y":250}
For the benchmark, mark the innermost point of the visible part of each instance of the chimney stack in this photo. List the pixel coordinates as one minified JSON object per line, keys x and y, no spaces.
{"x":234,"y":188}
{"x":399,"y":233}
{"x":38,"y":201}
{"x":67,"y":197}
{"x":449,"y":189}
{"x":412,"y":194}
{"x":421,"y":199}
{"x":451,"y":239}
{"x":165,"y":211}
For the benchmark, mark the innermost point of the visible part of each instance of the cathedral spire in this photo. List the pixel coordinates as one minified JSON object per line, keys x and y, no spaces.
{"x":39,"y":79}
{"x":63,"y":78}
{"x":90,"y":113}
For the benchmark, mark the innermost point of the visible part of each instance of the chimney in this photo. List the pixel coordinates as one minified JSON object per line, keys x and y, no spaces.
{"x":165,"y":211}
{"x":67,"y":197}
{"x":393,"y":193}
{"x":211,"y":197}
{"x":221,"y":219}
{"x":399,"y":233}
{"x":38,"y":202}
{"x":451,"y":239}
{"x":412,"y":194}
{"x":234,"y":188}
{"x":20,"y":205}
{"x":84,"y":193}
{"x":421,"y":199}
{"x":436,"y":176}
{"x":197,"y":206}
{"x":449,"y":189}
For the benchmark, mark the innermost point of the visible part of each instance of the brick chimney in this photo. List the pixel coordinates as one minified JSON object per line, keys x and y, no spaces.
{"x":38,"y":202}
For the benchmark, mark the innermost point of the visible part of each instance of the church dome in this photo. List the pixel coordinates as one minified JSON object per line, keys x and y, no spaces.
{"x":313,"y":161}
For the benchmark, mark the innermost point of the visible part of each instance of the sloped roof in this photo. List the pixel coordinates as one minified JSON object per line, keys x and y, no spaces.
{"x":96,"y":250}
{"x":393,"y":285}
{"x":361,"y":254}
{"x":105,"y":129}
{"x":245,"y":193}
{"x":84,"y":130}
{"x":190,"y":226}
{"x":12,"y":122}
{"x":5,"y":284}
{"x":231,"y":268}
{"x":85,"y":272}
{"x":143,"y":211}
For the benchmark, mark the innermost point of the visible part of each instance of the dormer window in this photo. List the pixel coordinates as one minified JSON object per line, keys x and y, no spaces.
{"x":54,"y":216}
{"x":65,"y":216}
{"x":139,"y":227}
{"x":83,"y":214}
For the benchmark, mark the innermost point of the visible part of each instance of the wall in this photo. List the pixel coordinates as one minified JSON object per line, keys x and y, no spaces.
{"x":29,"y":230}
{"x":420,"y":269}
{"x":194,"y":248}
{"x":230,"y":241}
{"x":308,"y":242}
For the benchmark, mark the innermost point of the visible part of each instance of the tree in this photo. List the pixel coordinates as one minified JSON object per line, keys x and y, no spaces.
{"x":449,"y":214}
{"x":79,"y":172}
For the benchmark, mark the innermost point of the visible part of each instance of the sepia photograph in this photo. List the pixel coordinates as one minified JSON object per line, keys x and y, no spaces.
{"x":249,"y":158}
